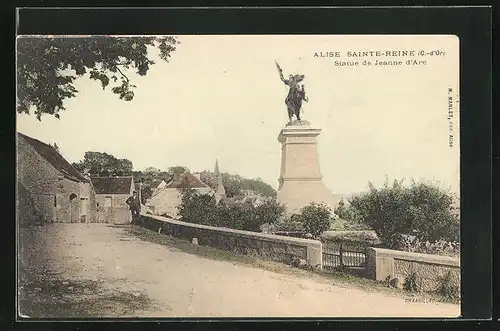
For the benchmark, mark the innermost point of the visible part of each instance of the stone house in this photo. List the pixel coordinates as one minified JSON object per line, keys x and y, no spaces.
{"x":49,"y":188}
{"x":111,"y":194}
{"x":158,"y":186}
{"x":167,"y":198}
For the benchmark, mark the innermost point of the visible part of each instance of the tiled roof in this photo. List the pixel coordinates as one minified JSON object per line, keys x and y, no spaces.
{"x":112,"y":185}
{"x":186,"y":178}
{"x":52,"y":155}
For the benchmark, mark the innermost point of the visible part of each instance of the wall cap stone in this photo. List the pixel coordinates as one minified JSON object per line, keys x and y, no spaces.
{"x":417,"y":257}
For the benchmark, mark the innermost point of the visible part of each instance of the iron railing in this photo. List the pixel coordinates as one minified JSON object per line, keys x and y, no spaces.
{"x":343,"y":256}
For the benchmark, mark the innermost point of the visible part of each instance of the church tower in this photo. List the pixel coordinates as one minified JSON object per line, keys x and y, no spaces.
{"x":220,"y":192}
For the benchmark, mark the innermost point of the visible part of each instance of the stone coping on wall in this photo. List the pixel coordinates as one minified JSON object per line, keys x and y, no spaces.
{"x":240,"y":233}
{"x":418,"y":257}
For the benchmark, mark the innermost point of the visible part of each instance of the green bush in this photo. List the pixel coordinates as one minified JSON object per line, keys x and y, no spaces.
{"x":449,"y":287}
{"x":315,"y":218}
{"x":197,"y":208}
{"x":422,"y":210}
{"x":230,"y":216}
{"x":203,"y":209}
{"x":349,"y":213}
{"x":412,"y":283}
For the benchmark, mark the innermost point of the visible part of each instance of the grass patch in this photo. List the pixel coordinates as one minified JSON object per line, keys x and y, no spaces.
{"x":60,"y":298}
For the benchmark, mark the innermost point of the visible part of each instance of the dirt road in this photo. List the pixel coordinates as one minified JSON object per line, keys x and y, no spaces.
{"x":104,"y":271}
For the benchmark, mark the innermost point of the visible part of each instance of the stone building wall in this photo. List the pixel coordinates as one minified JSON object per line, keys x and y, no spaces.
{"x":49,"y":189}
{"x":55,"y":197}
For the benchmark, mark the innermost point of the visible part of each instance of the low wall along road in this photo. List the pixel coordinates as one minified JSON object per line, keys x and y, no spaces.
{"x":267,"y":246}
{"x":387,"y":263}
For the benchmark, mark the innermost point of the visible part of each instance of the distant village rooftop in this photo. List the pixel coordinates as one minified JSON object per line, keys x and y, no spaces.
{"x":191,"y":179}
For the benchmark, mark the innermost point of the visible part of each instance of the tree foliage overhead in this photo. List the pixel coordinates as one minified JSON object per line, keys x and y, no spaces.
{"x":104,"y":164}
{"x":177,"y":169}
{"x":149,"y":179}
{"x":422,"y":210}
{"x":48,"y":66}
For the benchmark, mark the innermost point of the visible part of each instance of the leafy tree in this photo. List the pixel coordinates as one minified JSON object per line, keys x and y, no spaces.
{"x":48,"y":66}
{"x":177,"y":169}
{"x":232,"y":184}
{"x":348,"y":213}
{"x":341,"y":210}
{"x":203,"y":209}
{"x":422,"y":210}
{"x":104,"y":164}
{"x":152,"y":170}
{"x":197,"y":208}
{"x":149,"y":179}
{"x":315,"y":218}
{"x":269,"y":212}
{"x":253,"y":217}
{"x":231,"y":216}
{"x":146,"y":193}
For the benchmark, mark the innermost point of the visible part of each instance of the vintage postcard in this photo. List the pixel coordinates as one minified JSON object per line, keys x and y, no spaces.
{"x":238,"y":176}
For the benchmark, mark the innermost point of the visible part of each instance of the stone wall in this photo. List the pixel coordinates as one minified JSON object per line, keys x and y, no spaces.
{"x":115,"y":211}
{"x":272,"y":247}
{"x":430,"y":269}
{"x":27,"y":213}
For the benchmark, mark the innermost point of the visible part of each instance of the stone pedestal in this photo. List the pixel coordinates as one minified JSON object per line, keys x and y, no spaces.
{"x":300,"y":181}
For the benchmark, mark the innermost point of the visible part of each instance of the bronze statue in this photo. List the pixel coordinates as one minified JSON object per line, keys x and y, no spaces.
{"x":296,"y":93}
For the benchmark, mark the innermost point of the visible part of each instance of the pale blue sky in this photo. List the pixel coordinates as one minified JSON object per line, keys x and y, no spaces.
{"x":221,"y":97}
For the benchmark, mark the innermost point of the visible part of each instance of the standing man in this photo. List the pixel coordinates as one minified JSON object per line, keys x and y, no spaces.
{"x":135,"y":207}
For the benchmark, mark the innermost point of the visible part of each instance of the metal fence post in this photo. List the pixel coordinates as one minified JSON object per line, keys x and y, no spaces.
{"x":341,"y":255}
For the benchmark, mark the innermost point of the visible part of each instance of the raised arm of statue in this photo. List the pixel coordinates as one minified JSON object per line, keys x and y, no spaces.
{"x":280,"y":71}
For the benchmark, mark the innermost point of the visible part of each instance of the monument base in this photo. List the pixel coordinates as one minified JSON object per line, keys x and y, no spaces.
{"x":300,"y":181}
{"x":295,"y":194}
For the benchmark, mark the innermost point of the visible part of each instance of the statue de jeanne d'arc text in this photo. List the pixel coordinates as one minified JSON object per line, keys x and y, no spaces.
{"x":296,"y":93}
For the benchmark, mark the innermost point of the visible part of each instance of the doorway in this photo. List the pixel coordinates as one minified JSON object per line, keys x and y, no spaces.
{"x":73,"y":208}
